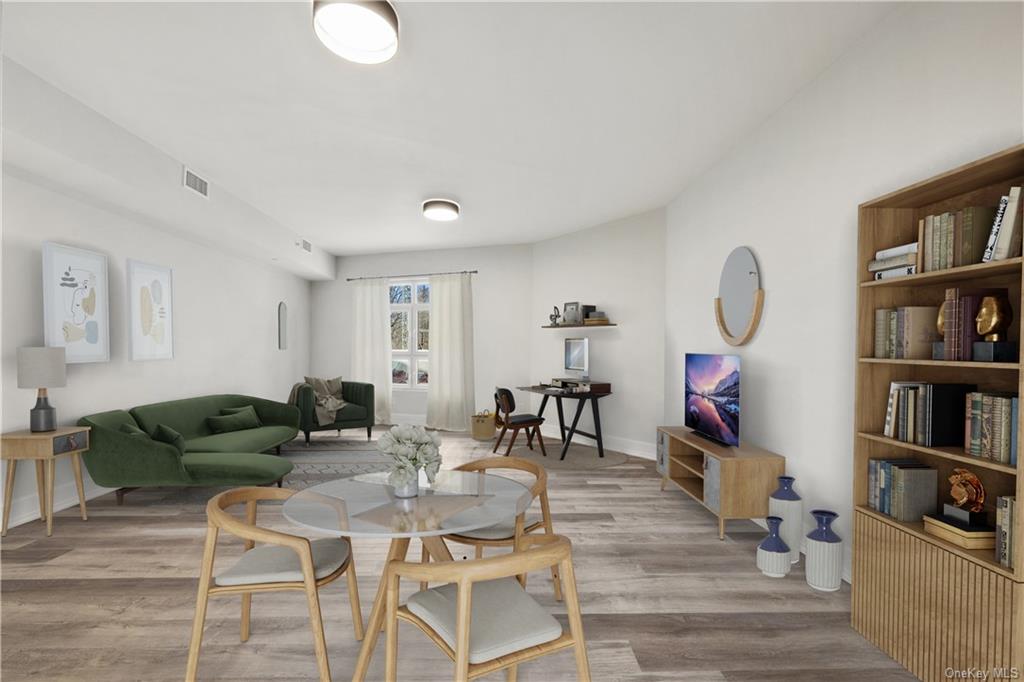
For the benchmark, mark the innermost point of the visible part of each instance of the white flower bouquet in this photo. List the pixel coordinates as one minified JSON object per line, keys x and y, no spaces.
{"x":412,"y":448}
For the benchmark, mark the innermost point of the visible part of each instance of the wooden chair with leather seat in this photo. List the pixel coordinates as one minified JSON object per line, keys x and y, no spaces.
{"x":508,"y":533}
{"x":284,"y":562}
{"x":504,"y":406}
{"x":483,"y":618}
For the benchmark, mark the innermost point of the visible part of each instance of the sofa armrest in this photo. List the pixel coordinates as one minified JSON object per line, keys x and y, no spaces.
{"x":275,"y":413}
{"x":305,"y":401}
{"x":360,"y":394}
{"x":115,"y":459}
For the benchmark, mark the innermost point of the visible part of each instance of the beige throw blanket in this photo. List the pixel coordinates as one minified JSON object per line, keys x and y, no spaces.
{"x":327,"y":398}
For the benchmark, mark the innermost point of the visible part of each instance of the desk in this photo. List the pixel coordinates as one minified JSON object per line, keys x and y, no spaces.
{"x":581,"y":398}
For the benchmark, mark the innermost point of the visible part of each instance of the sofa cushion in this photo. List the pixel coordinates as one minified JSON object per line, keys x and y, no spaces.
{"x":247,"y":409}
{"x":165,"y":434}
{"x":248,"y":440}
{"x":132,"y":430}
{"x":503,"y":618}
{"x":351,"y":412}
{"x":234,"y":468}
{"x":113,"y":419}
{"x":277,"y":564}
{"x":239,"y":421}
{"x":186,"y":416}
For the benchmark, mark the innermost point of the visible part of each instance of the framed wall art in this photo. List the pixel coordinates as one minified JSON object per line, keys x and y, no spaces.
{"x":150,"y":297}
{"x":76,"y":302}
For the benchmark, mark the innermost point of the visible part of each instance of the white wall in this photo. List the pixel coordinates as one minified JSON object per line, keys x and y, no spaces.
{"x":933,"y":86}
{"x":501,"y":303}
{"x":620,"y":268}
{"x":225,"y":320}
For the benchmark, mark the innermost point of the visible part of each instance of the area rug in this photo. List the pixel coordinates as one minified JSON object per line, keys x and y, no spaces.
{"x":579,"y":457}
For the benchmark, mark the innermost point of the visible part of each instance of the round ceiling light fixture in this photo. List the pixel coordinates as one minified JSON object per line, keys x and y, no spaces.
{"x":361,"y":32}
{"x":443,"y":210}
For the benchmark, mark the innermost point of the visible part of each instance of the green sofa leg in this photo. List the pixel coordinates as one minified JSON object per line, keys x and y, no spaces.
{"x":369,"y":432}
{"x":307,"y":439}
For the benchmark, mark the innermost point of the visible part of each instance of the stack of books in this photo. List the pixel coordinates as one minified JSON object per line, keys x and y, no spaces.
{"x":990,"y":426}
{"x":906,"y":333}
{"x":1006,"y":508}
{"x":959,"y":329}
{"x":596,"y":318}
{"x":926,"y":414}
{"x":954,"y":239}
{"x":960,"y":533}
{"x":895,"y":262}
{"x":904,"y":489}
{"x":1004,"y":238}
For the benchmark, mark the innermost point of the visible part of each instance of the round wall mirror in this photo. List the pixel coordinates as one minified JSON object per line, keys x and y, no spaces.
{"x":740,"y":297}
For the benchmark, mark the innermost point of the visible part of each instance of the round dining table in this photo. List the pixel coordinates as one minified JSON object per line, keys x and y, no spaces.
{"x":365,"y":506}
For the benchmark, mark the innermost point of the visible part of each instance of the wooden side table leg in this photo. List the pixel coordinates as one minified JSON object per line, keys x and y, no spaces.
{"x":76,"y":464}
{"x":399,"y":548}
{"x":12,"y":466}
{"x":49,"y":495}
{"x":721,"y":527}
{"x":41,"y":488}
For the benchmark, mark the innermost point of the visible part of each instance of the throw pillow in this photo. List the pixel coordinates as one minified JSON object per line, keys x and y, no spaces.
{"x":326,"y":386}
{"x":165,"y":434}
{"x":133,"y":430}
{"x":247,"y":409}
{"x":226,"y":423}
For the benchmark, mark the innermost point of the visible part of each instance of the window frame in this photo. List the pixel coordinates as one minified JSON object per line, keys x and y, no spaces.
{"x":412,"y":356}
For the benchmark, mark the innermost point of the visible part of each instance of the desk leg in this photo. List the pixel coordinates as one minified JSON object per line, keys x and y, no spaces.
{"x":438,"y":550}
{"x":543,"y":404}
{"x":561,"y":418}
{"x":399,"y":548}
{"x":50,"y":466}
{"x":597,"y":426}
{"x":41,"y":488}
{"x":12,"y":466}
{"x":76,"y":464}
{"x":572,"y":429}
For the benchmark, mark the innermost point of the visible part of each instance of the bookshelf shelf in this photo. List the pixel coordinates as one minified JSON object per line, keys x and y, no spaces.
{"x":1012,"y":366}
{"x":964,"y":272}
{"x":692,"y":463}
{"x":953,"y":454}
{"x":694,"y":487}
{"x":931,"y":605}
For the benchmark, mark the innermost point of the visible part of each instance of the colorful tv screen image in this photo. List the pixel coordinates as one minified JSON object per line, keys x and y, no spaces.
{"x":713,"y":396}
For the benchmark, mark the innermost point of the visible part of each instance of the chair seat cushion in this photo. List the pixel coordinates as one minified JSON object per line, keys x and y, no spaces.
{"x":504,"y":618}
{"x":350,"y":413}
{"x":247,"y":440}
{"x":506,"y":530}
{"x":276,"y":564}
{"x":234,"y":468}
{"x":524,"y":418}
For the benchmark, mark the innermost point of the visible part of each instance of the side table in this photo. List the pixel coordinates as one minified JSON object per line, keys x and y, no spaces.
{"x":44,"y":447}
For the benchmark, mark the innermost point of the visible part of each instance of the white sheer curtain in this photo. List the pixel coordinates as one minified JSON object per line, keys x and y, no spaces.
{"x":450,"y":398}
{"x":371,"y":342}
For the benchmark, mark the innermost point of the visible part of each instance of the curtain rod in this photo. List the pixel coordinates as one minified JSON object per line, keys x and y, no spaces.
{"x":421,"y":274}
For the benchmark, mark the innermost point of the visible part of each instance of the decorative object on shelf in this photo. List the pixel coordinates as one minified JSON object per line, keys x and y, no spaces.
{"x":42,"y":368}
{"x":76,"y":302}
{"x":740,"y":297}
{"x":412,"y":448}
{"x":773,"y":552}
{"x":824,"y":553}
{"x":282,"y":326}
{"x":967,"y":490}
{"x":554,"y":317}
{"x":993,"y":321}
{"x":571,"y":313}
{"x":786,"y":504}
{"x":150,"y":311}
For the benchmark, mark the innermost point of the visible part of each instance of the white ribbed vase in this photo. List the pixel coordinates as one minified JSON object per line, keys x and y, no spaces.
{"x":824,"y":554}
{"x":773,"y":564}
{"x":791,"y":511}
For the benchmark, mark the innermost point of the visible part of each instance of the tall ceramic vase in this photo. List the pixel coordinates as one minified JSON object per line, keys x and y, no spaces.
{"x":788,"y":506}
{"x":824,"y":553}
{"x":773,"y":552}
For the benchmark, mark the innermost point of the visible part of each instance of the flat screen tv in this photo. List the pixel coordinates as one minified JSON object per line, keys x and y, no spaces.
{"x":713,"y":396}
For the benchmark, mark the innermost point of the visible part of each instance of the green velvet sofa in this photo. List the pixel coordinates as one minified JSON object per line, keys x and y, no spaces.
{"x":116,"y":459}
{"x":357,"y":414}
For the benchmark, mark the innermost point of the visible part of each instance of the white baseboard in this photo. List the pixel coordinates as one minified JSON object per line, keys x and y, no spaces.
{"x":412,"y":419}
{"x":637,"y":448}
{"x":25,"y":508}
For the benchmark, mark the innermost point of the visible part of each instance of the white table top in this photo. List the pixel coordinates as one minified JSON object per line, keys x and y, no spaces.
{"x":365,"y":505}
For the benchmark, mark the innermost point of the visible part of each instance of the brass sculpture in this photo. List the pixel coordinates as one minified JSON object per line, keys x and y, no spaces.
{"x":994,"y":317}
{"x":967,"y":490}
{"x":940,"y":321}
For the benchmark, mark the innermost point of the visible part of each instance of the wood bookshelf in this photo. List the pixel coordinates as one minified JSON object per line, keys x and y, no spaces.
{"x":929,"y":604}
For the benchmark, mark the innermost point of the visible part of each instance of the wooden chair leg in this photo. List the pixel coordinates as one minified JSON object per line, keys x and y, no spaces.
{"x":315,"y":620}
{"x":572,"y":607}
{"x":424,"y":558}
{"x":529,"y":437}
{"x":511,"y":443}
{"x":479,"y":551}
{"x":463,"y":609}
{"x":540,"y":440}
{"x":504,"y":428}
{"x":353,"y":596}
{"x":203,"y":597}
{"x":246,"y":612}
{"x":511,"y":673}
{"x":391,"y":632}
{"x":549,"y":529}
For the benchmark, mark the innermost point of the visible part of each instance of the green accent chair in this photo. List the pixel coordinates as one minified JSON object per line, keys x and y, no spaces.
{"x":358,"y":413}
{"x":116,"y":459}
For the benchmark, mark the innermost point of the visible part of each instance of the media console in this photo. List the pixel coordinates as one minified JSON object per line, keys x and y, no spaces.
{"x":731,"y":482}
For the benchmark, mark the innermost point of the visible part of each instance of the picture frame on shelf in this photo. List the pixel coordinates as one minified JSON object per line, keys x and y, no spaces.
{"x":76,"y":302}
{"x":151,"y":311}
{"x":571,"y":313}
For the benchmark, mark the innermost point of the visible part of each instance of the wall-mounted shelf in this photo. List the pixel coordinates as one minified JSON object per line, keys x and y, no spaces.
{"x":578,"y":326}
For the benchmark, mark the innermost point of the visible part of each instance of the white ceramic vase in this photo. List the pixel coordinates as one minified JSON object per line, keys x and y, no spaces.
{"x":787,"y":505}
{"x":824,"y":554}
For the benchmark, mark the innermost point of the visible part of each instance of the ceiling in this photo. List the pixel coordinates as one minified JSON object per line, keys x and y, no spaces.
{"x":540,"y":119}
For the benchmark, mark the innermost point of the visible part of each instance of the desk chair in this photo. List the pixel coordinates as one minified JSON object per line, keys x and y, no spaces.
{"x":482,"y":618}
{"x":286,"y":562}
{"x":504,"y":406}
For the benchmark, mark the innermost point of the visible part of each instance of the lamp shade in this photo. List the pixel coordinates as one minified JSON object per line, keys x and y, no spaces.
{"x":41,"y":368}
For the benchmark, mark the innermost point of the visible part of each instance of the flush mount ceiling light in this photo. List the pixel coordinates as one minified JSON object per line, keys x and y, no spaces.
{"x":361,"y":32}
{"x":444,"y":210}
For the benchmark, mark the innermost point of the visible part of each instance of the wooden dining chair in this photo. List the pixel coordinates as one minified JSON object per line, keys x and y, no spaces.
{"x":506,"y":534}
{"x":504,"y":406}
{"x":284,"y":562}
{"x":483,"y":618}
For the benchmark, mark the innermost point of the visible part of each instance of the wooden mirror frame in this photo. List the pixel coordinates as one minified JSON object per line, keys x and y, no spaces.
{"x":752,"y":324}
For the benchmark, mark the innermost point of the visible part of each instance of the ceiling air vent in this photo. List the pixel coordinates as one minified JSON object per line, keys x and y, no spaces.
{"x":196,"y":183}
{"x":305,"y":245}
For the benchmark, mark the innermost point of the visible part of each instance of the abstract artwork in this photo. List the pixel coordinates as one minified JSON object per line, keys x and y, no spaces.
{"x":149,"y":303}
{"x":75,"y":302}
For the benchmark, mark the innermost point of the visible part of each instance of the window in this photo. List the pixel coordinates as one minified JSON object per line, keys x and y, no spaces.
{"x":410,"y":334}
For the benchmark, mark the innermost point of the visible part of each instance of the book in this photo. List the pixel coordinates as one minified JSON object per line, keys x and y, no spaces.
{"x":919,"y":331}
{"x":975,"y":229}
{"x":896,"y":251}
{"x":944,"y":403}
{"x":1008,"y":241}
{"x":896,"y":272}
{"x":950,"y":315}
{"x":882,"y":332}
{"x":993,"y":235}
{"x":966,"y":326}
{"x":986,"y":425}
{"x":948,"y":224}
{"x":1002,"y":530}
{"x":915,"y":489}
{"x":1014,"y":425}
{"x":893,"y":262}
{"x":930,"y":245}
{"x":958,"y":533}
{"x":974,"y":443}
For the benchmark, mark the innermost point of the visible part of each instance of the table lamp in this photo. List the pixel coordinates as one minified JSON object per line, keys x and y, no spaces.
{"x":42,"y":368}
